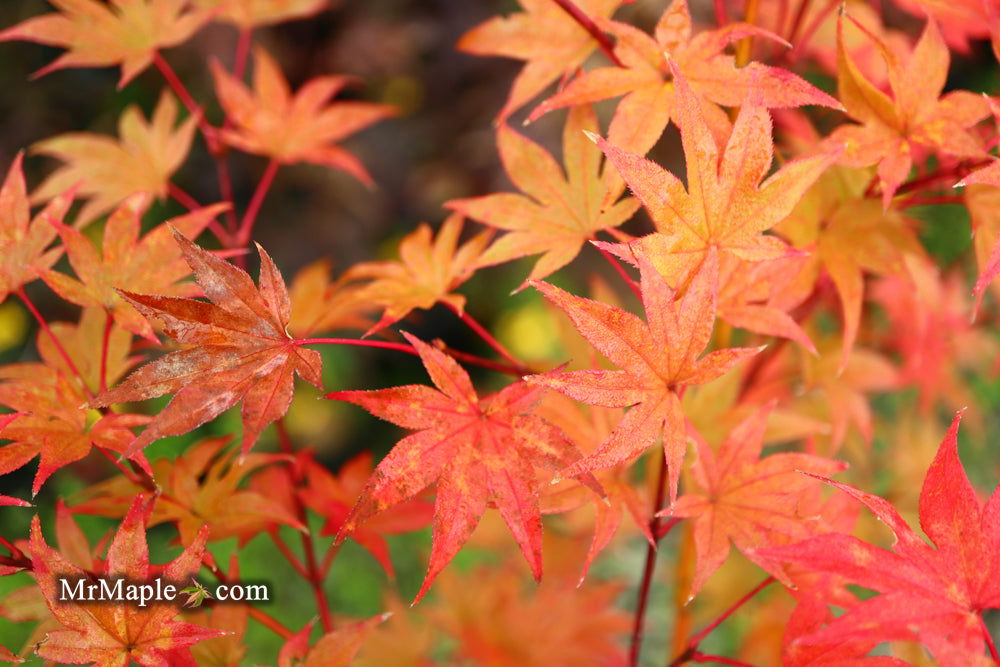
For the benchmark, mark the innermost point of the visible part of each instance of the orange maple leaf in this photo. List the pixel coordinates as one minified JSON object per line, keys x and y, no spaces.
{"x":478,"y":450}
{"x":97,"y":34}
{"x":656,"y":357}
{"x":142,"y":159}
{"x":895,"y":132}
{"x":427,"y":271}
{"x":249,"y":14}
{"x":725,"y":205}
{"x":559,"y":211}
{"x":53,"y":426}
{"x":293,"y":128}
{"x":750,"y":501}
{"x":202,"y":487}
{"x":935,"y":596}
{"x":334,"y":649}
{"x":151,"y":264}
{"x":24,"y":240}
{"x":239,"y":351}
{"x":114,"y":633}
{"x":319,"y":304}
{"x":333,"y":495}
{"x":548,"y":39}
{"x":646,"y":75}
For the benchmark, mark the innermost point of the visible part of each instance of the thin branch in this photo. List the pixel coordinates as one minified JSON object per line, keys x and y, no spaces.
{"x":313,"y":574}
{"x":191,"y":204}
{"x":287,"y":552}
{"x":250,"y":217}
{"x":603,"y":41}
{"x":21,"y":294}
{"x":647,"y":572}
{"x":105,"y":344}
{"x":187,"y":100}
{"x":488,"y":338}
{"x":707,"y":630}
{"x":632,"y":285}
{"x":403,"y":347}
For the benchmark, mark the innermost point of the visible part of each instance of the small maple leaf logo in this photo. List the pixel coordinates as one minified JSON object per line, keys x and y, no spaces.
{"x":196,"y":593}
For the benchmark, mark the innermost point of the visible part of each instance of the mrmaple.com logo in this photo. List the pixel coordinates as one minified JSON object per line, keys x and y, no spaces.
{"x":142,"y":593}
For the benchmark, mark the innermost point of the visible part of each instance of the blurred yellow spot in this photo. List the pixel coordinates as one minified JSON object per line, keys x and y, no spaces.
{"x":529,"y":332}
{"x":313,"y":422}
{"x":403,"y":92}
{"x":13,"y":325}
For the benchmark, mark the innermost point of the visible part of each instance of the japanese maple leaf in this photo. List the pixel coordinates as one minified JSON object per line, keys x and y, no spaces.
{"x":559,"y":211}
{"x":319,"y":304}
{"x":53,"y":426}
{"x":127,"y":33}
{"x":111,"y":633}
{"x":646,"y":75}
{"x":152,"y":264}
{"x":559,"y":623}
{"x":249,"y":14}
{"x":550,"y":42}
{"x":810,"y":615}
{"x":478,"y":449}
{"x":935,"y":341}
{"x":747,"y":500}
{"x":332,"y":497}
{"x":202,"y":487}
{"x":725,"y":205}
{"x":981,"y":204}
{"x":895,"y":132}
{"x":849,"y":236}
{"x":80,"y":340}
{"x":752,"y":295}
{"x":934,"y":596}
{"x":107,"y":170}
{"x":24,"y":241}
{"x":334,"y":649}
{"x":238,"y":351}
{"x":304,"y":127}
{"x":657,"y":357}
{"x":588,"y":428}
{"x":427,"y":271}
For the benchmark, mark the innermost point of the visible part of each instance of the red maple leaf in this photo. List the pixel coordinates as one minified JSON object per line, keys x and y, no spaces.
{"x":478,"y":449}
{"x":935,"y":596}
{"x":239,"y":351}
{"x":113,"y":634}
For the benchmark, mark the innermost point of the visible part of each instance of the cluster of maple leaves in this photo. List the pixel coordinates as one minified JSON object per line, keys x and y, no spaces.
{"x":782,"y":282}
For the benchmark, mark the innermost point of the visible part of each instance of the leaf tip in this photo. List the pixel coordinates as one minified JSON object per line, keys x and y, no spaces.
{"x":593,"y":136}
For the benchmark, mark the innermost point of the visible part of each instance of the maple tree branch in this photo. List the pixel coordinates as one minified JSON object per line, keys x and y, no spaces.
{"x":187,"y":100}
{"x":243,"y":44}
{"x":313,"y":574}
{"x":743,"y":48}
{"x":603,"y":41}
{"x":488,"y":338}
{"x":632,"y":285}
{"x":811,"y":29}
{"x":403,"y":347}
{"x":250,"y":216}
{"x":958,"y":172}
{"x":15,"y":553}
{"x":255,"y":613}
{"x":692,"y":649}
{"x":130,"y":474}
{"x":989,"y":640}
{"x":721,"y":16}
{"x":800,"y":14}
{"x":191,"y":204}
{"x":270,"y":622}
{"x":109,"y":320}
{"x":649,"y":567}
{"x":287,"y":552}
{"x":23,"y":296}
